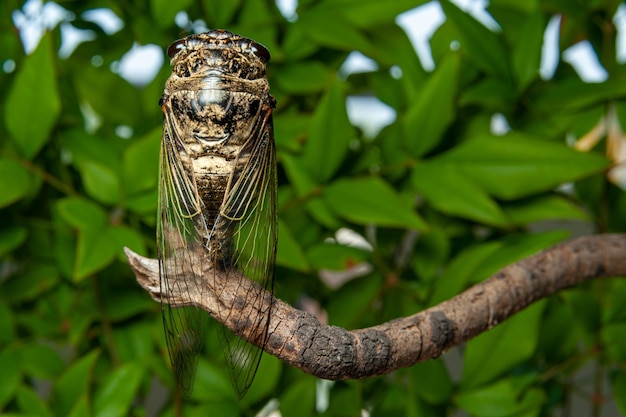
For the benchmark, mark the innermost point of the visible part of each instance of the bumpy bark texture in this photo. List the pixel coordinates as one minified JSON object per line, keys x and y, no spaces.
{"x":330,"y":352}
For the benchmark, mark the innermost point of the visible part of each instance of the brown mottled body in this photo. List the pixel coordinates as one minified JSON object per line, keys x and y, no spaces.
{"x":217,"y":187}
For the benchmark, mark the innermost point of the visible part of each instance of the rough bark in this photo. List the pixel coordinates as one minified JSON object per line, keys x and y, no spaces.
{"x":330,"y":352}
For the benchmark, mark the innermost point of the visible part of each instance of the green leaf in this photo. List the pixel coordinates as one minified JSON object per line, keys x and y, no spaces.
{"x":461,"y":270}
{"x":391,"y":47}
{"x":574,"y":94}
{"x":518,"y":165}
{"x":501,"y":400}
{"x":528,"y":49}
{"x":221,"y":11}
{"x":330,"y":135}
{"x":116,"y":395}
{"x":41,"y":361}
{"x":297,"y":44}
{"x":81,"y":407}
{"x":366,"y":13}
{"x":432,"y":252}
{"x":73,"y":384}
{"x":612,"y":337}
{"x":214,"y":408}
{"x":452,"y":192}
{"x":289,"y":130}
{"x":542,"y":208}
{"x":369,"y":13}
{"x":80,"y":325}
{"x":490,"y":93}
{"x":128,"y":304}
{"x":436,"y":97}
{"x":14,"y":181}
{"x":141,"y":163}
{"x":134,"y":340}
{"x":558,"y":342}
{"x":346,"y":400}
{"x":371,"y":201}
{"x":7,"y":323}
{"x":33,"y":95}
{"x":125,"y":236}
{"x":299,"y":398}
{"x":10,"y":375}
{"x":348,"y":304}
{"x":11,"y":238}
{"x":587,"y":311}
{"x":259,"y":18}
{"x":498,"y":350}
{"x":212,"y":384}
{"x":81,"y":213}
{"x":393,"y":402}
{"x":31,"y":403}
{"x":164,"y":11}
{"x":101,"y":182}
{"x":289,"y":253}
{"x":101,"y":89}
{"x":265,"y":381}
{"x":332,"y":30}
{"x":482,"y":46}
{"x":95,"y":250}
{"x":612,"y":310}
{"x":30,"y":284}
{"x":524,"y":7}
{"x":82,"y":147}
{"x":306,"y":188}
{"x":304,"y":77}
{"x":515,"y":248}
{"x":439,"y":386}
{"x":335,"y":257}
{"x":144,"y":203}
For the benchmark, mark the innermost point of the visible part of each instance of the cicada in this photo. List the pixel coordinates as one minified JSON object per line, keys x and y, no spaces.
{"x":217,"y":191}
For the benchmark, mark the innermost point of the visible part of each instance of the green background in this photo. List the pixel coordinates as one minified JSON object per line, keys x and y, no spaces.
{"x":443,"y":202}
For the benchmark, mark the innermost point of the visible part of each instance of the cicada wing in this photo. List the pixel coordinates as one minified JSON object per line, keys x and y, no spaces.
{"x":249,"y":213}
{"x":181,"y":229}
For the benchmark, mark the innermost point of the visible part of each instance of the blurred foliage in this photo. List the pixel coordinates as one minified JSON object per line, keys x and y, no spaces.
{"x":442,"y":200}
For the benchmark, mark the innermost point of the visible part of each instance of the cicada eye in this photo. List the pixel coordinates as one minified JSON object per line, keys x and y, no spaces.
{"x":260,"y":51}
{"x":174,"y":48}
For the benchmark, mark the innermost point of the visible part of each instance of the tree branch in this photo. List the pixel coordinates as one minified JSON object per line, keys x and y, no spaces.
{"x":330,"y":352}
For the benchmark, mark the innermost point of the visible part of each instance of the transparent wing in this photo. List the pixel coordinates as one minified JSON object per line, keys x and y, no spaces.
{"x":248,"y":216}
{"x":181,"y":229}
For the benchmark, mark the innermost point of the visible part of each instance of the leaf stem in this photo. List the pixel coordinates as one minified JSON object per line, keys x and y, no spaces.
{"x":47,"y":177}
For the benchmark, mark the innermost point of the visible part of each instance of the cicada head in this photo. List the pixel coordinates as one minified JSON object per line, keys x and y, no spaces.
{"x":221,"y":51}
